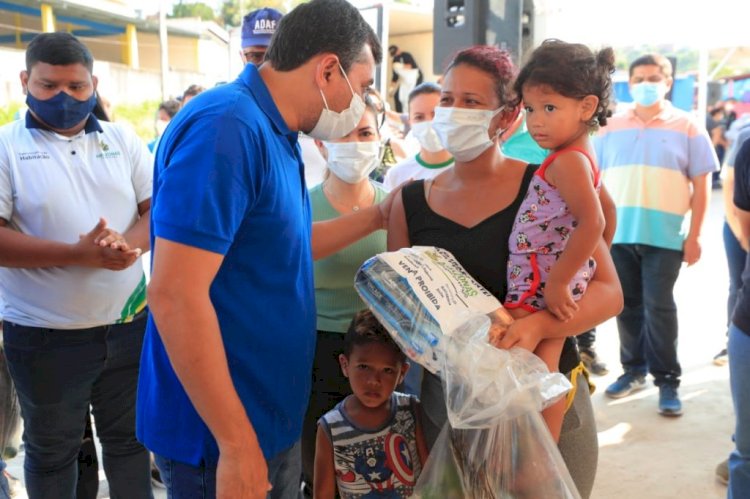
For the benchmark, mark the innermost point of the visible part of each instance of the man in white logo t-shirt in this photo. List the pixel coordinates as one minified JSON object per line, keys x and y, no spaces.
{"x":75,"y":197}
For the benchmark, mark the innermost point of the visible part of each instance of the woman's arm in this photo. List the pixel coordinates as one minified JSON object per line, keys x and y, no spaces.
{"x":610,"y":215}
{"x":602,"y":300}
{"x":325,"y":474}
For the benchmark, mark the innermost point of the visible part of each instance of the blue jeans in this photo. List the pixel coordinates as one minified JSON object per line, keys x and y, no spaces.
{"x":648,"y":321}
{"x":60,"y":373}
{"x":736,"y":257}
{"x":184,"y":481}
{"x":739,"y":373}
{"x":4,"y":487}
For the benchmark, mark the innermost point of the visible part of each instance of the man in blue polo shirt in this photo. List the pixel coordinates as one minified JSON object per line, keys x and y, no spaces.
{"x":225,"y":374}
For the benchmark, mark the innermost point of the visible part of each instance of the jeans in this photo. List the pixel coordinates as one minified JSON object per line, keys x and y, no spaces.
{"x":736,"y":257}
{"x":4,"y":487}
{"x":648,"y":321}
{"x":58,"y":375}
{"x":587,"y":339}
{"x":184,"y":481}
{"x":739,"y":373}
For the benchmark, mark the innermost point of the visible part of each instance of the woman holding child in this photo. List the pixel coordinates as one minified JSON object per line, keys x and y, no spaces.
{"x":470,"y":210}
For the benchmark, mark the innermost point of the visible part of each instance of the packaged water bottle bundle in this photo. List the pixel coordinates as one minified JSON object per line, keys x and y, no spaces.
{"x":496,"y":444}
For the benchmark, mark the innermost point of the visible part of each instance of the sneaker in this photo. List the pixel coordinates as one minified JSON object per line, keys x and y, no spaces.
{"x":722,"y":472}
{"x":669,"y":401}
{"x":592,"y":362}
{"x":625,"y":385}
{"x":721,"y":358}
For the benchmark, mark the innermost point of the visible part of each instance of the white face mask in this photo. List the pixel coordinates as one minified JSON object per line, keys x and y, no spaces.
{"x":426,"y":136}
{"x":464,"y":132}
{"x":160,"y":126}
{"x":332,"y":125}
{"x":353,"y":161}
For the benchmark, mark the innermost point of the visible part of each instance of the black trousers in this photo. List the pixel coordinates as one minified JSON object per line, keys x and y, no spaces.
{"x":329,"y":387}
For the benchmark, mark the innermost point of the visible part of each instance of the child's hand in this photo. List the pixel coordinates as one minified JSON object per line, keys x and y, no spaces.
{"x":517,"y":335}
{"x":500,"y":320}
{"x":560,"y":301}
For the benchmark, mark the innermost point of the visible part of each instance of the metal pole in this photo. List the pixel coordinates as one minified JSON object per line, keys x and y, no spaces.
{"x":164,"y":47}
{"x":702,"y":83}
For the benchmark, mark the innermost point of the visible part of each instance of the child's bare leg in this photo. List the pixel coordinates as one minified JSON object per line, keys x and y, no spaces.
{"x":549,"y":351}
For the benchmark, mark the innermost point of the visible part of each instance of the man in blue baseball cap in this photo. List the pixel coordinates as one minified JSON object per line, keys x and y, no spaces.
{"x":257,"y":29}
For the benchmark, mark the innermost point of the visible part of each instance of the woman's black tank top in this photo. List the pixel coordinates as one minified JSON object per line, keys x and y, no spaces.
{"x":482,"y":250}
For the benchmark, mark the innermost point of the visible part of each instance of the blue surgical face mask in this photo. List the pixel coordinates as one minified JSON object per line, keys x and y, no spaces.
{"x":647,"y":94}
{"x":61,"y":111}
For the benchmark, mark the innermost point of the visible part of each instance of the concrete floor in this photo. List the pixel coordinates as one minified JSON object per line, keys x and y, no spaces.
{"x":642,"y":454}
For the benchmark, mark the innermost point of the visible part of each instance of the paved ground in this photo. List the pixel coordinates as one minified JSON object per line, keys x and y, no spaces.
{"x":642,"y":454}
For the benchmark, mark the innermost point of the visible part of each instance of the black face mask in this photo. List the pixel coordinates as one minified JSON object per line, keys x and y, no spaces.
{"x":61,"y":111}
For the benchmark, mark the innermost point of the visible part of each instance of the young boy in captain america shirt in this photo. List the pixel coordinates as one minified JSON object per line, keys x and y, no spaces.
{"x":370,"y":444}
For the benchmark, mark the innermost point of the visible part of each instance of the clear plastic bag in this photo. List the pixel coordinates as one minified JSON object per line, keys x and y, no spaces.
{"x":514,"y":459}
{"x":496,"y":445}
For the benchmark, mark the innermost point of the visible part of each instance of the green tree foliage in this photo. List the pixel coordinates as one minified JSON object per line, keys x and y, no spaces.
{"x":8,"y":112}
{"x":193,"y":9}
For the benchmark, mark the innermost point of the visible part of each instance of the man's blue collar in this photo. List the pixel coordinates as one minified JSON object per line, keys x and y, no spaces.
{"x":250,"y":77}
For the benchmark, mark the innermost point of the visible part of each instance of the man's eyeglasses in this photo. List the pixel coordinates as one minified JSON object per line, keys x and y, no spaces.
{"x":255,"y":56}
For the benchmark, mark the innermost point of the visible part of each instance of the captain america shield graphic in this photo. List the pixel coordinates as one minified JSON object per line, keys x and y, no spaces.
{"x":399,"y":459}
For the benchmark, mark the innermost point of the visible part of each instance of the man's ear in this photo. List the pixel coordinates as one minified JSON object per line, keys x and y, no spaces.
{"x":323,"y":152}
{"x":24,"y":76}
{"x":344,"y":363}
{"x":327,"y":66}
{"x":94,"y":82}
{"x":589,"y":104}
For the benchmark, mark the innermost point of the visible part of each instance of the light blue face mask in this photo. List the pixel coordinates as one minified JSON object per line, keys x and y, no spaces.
{"x":647,"y":94}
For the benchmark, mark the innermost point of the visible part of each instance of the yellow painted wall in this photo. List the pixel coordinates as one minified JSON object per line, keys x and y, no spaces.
{"x":105,"y":48}
{"x":149,"y":51}
{"x":183,"y":53}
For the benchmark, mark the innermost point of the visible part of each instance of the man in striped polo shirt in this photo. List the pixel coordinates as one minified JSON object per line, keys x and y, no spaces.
{"x":656,"y":162}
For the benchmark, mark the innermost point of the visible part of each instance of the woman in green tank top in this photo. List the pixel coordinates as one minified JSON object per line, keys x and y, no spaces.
{"x":346,"y":188}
